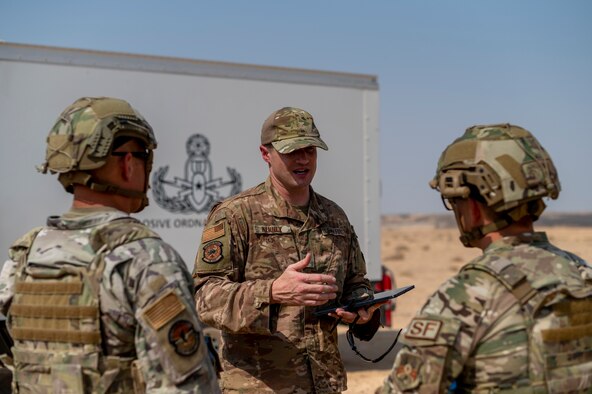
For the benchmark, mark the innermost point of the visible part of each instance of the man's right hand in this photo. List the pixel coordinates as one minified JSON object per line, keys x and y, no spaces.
{"x":299,"y":288}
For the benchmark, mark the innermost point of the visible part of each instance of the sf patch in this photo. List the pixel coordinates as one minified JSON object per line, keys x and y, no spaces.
{"x":427,"y":329}
{"x":184,"y":338}
{"x":212,"y":252}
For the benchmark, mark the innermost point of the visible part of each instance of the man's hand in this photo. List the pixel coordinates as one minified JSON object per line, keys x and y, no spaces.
{"x":364,"y":314}
{"x":299,"y":288}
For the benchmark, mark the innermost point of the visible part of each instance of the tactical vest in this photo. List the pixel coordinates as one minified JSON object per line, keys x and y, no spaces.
{"x":54,"y":318}
{"x":559,"y":328}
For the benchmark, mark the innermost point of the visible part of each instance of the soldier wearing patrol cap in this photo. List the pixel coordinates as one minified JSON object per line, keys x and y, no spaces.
{"x":268,"y":257}
{"x":96,"y":301}
{"x":516,"y":319}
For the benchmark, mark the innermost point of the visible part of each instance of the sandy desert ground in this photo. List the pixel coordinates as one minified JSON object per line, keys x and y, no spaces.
{"x":423,"y":255}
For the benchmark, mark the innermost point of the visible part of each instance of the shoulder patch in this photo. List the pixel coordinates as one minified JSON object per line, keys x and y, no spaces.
{"x":407,"y":370}
{"x":184,"y":338}
{"x":423,"y":329}
{"x":212,"y":252}
{"x":163,"y":310}
{"x":213,"y":232}
{"x":432,"y":330}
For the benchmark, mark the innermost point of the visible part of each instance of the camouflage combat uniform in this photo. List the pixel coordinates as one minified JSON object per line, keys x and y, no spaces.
{"x":140,"y":292}
{"x":248,"y":242}
{"x":516,"y":319}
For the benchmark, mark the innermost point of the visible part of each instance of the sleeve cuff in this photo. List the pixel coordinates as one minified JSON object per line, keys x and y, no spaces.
{"x":263,"y":294}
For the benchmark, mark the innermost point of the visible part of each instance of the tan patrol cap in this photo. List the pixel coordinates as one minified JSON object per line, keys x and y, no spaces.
{"x":289,"y":129}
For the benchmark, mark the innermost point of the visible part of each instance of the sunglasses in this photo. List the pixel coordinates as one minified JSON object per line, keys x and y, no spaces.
{"x":140,"y":155}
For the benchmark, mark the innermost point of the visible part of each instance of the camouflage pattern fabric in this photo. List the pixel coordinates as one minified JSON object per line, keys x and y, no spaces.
{"x":476,"y":332}
{"x":145,"y":304}
{"x":505,"y":163}
{"x":248,"y":242}
{"x":83,"y":135}
{"x":289,"y":129}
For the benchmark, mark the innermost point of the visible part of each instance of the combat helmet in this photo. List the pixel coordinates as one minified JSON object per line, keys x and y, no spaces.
{"x":82,"y":139}
{"x":504,"y":167}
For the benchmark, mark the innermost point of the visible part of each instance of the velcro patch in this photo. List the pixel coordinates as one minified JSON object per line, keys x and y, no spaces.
{"x":407,"y":371}
{"x":184,"y":338}
{"x":423,"y":329}
{"x":212,"y":252}
{"x":272,"y":229}
{"x":213,"y":232}
{"x":158,"y":282}
{"x":163,"y":310}
{"x":554,"y":335}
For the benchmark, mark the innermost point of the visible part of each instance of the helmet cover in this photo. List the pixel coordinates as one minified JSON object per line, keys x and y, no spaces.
{"x":505,"y":164}
{"x":83,"y":135}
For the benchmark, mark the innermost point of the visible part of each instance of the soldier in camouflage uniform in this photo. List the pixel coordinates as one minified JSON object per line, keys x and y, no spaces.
{"x":516,"y":319}
{"x":96,"y":301}
{"x":268,"y":257}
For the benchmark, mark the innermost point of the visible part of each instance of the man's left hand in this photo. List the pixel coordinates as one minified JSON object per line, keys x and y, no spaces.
{"x":364,"y":314}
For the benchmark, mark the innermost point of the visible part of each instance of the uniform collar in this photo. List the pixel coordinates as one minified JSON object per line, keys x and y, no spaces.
{"x":78,"y":218}
{"x":515,"y":240}
{"x":282,"y":209}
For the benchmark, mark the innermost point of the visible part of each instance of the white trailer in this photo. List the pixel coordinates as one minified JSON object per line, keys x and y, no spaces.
{"x":207,"y":117}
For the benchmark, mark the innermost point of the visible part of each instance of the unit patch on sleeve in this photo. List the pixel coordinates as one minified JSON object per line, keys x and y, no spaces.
{"x":184,"y":338}
{"x":407,"y":369}
{"x":424,"y":329}
{"x":212,"y":252}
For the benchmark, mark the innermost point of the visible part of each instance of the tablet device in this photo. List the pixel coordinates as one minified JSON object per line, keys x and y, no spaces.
{"x":358,"y":303}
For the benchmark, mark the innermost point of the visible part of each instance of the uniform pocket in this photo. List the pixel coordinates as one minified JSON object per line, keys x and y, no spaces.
{"x":275,"y":248}
{"x":330,"y":250}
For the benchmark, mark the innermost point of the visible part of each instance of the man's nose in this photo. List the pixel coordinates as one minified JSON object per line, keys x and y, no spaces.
{"x":302,"y":156}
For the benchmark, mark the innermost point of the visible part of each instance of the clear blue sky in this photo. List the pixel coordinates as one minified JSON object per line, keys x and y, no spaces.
{"x":442,"y":65}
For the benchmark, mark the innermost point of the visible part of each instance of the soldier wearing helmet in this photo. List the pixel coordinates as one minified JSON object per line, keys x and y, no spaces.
{"x":268,"y":257}
{"x":96,"y":301}
{"x":86,"y":135}
{"x":516,"y":319}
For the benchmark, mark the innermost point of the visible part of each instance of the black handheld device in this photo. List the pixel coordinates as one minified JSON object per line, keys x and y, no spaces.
{"x":358,"y":303}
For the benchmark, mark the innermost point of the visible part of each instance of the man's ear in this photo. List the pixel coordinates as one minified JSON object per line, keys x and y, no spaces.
{"x":126,"y":167}
{"x":265,"y":154}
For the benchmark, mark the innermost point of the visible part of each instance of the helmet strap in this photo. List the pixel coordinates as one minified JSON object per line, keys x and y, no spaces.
{"x":533,"y":209}
{"x":477,"y":233}
{"x":467,"y":237}
{"x":69,"y":179}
